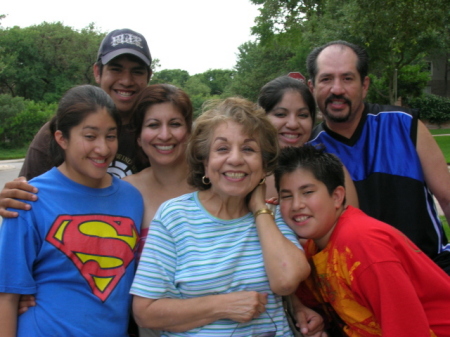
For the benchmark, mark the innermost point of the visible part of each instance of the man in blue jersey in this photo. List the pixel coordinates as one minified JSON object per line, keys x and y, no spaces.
{"x":394,"y":161}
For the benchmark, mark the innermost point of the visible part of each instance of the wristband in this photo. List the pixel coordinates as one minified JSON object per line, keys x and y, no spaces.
{"x":263,"y":211}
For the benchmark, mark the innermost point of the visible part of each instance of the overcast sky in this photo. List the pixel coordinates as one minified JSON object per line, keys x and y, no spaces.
{"x":193,"y":35}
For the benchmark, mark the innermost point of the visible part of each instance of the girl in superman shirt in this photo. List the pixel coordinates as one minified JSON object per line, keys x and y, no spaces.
{"x":77,"y":243}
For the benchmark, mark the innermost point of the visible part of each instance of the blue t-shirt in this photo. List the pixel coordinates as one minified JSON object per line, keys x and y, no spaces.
{"x":75,"y":251}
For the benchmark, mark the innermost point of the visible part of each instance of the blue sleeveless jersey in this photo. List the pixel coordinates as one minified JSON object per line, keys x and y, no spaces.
{"x":382,"y":160}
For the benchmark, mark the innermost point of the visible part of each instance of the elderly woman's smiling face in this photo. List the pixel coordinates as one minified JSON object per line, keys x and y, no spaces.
{"x":235,"y":164}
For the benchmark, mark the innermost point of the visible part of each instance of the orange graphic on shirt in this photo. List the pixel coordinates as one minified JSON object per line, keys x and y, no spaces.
{"x":337,"y":291}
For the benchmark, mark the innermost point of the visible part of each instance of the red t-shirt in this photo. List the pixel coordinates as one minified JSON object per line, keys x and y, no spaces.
{"x":378,"y":281}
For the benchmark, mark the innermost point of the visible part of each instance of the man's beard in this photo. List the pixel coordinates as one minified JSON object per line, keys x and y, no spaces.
{"x":333,"y":118}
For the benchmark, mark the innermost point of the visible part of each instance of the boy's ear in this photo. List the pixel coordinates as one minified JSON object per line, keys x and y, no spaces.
{"x":338,"y":196}
{"x":96,"y":70}
{"x":59,"y":138}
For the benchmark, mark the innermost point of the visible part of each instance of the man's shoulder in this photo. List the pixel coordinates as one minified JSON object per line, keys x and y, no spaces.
{"x":44,"y":131}
{"x":375,"y":109}
{"x":316,"y":130}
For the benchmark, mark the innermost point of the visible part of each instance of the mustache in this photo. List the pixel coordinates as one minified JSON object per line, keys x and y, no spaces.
{"x":340,"y":97}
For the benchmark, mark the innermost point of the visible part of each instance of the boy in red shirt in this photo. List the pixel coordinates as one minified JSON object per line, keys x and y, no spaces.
{"x":365,"y":271}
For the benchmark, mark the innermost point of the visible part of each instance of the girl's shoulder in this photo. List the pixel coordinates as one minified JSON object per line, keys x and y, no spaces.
{"x":127,"y":189}
{"x":49,"y":180}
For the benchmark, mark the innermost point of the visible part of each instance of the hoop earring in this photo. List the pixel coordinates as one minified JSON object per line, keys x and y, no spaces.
{"x":204,"y":178}
{"x":262,"y":181}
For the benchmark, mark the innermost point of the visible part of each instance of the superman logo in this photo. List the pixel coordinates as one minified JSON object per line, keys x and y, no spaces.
{"x":100,"y":246}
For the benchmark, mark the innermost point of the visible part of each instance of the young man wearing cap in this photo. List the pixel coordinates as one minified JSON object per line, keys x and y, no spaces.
{"x":122,"y":69}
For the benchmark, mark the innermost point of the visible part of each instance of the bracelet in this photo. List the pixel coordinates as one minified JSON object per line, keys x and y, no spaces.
{"x":263,"y":211}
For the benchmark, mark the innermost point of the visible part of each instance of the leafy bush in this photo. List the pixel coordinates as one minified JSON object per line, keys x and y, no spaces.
{"x":21,"y":119}
{"x":435,"y":109}
{"x":9,"y":108}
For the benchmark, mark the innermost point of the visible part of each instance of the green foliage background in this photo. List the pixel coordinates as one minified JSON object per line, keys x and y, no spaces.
{"x":20,"y":119}
{"x":435,"y":109}
{"x":39,"y":63}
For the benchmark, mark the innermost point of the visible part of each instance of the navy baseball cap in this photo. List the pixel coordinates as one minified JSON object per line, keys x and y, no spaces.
{"x":124,"y":41}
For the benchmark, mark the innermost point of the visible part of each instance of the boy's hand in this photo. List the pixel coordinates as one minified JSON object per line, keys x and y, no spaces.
{"x":16,"y":189}
{"x":25,"y":302}
{"x":272,"y":201}
{"x":310,"y":323}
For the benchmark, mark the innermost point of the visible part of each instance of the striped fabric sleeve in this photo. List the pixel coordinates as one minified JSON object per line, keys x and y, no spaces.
{"x":156,"y":271}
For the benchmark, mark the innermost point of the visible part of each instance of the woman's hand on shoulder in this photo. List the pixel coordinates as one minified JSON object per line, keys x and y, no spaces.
{"x":16,"y":189}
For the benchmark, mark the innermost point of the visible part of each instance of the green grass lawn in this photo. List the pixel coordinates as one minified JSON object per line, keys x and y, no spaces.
{"x":440,"y":131}
{"x":13,"y":153}
{"x":444,"y":144}
{"x":446,"y":227}
{"x":443,"y":141}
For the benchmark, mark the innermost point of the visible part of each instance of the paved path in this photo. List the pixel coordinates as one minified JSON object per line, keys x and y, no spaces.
{"x":9,"y":170}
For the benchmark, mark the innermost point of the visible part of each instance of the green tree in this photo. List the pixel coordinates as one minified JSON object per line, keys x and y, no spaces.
{"x":198,"y":91}
{"x":176,"y":77}
{"x":28,"y":122}
{"x":41,"y":62}
{"x":435,"y":109}
{"x":211,"y":84}
{"x":20,"y":119}
{"x":397,"y":34}
{"x":155,"y":65}
{"x":9,"y":108}
{"x":411,"y":81}
{"x":257,"y":64}
{"x":217,"y":80}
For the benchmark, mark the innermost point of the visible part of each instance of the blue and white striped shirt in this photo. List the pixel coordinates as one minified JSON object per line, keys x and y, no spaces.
{"x":190,"y":253}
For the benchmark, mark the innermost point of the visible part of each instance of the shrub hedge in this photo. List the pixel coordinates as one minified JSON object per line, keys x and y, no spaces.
{"x":21,"y":119}
{"x":435,"y":109}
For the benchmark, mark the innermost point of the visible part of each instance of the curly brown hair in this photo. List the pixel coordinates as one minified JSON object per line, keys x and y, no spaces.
{"x":239,"y":110}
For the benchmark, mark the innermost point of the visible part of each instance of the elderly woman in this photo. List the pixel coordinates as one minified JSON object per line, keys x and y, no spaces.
{"x":216,"y":262}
